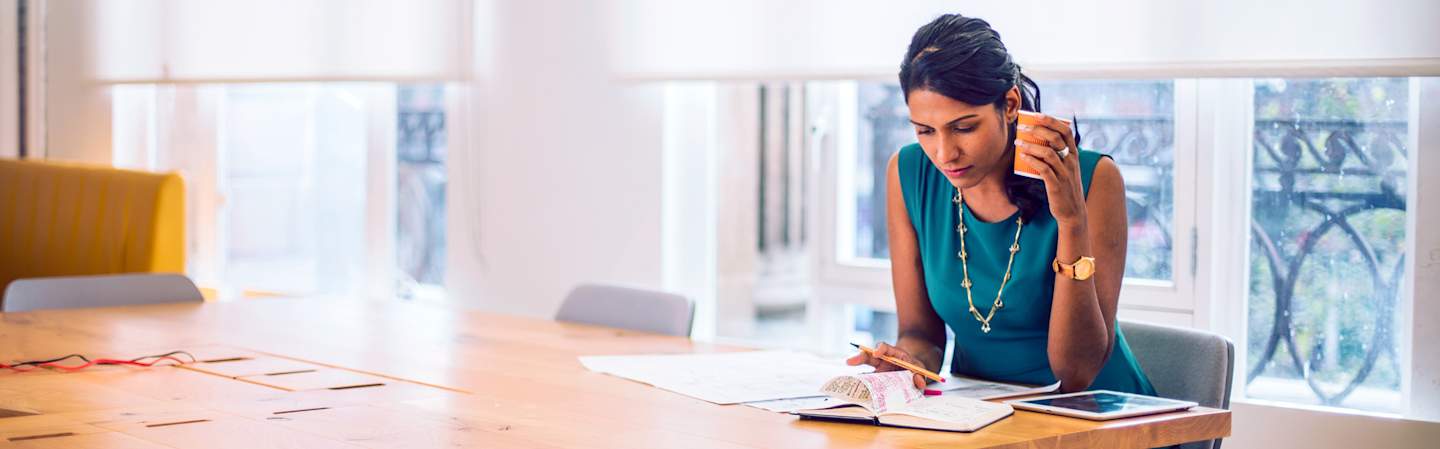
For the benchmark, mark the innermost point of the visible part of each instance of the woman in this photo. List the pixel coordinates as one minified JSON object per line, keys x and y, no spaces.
{"x":1015,"y":283}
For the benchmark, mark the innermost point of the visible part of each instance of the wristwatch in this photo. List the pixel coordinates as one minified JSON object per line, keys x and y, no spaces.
{"x":1080,"y":270}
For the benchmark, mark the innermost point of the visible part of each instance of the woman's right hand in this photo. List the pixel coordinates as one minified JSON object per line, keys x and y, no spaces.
{"x":881,"y":365}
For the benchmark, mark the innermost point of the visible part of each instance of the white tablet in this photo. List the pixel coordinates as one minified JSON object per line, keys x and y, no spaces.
{"x":1100,"y":405}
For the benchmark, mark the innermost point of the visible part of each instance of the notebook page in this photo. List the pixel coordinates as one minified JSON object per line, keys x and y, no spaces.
{"x":877,"y":392}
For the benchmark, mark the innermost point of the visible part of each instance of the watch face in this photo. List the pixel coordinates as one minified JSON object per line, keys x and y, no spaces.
{"x":1084,"y":268}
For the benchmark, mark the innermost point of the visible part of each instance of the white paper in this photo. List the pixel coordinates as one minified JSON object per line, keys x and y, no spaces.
{"x":985,"y":390}
{"x":790,"y":405}
{"x":727,"y":378}
{"x":951,"y":409}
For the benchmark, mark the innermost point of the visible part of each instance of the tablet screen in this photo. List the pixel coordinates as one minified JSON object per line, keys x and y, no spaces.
{"x":1101,"y":402}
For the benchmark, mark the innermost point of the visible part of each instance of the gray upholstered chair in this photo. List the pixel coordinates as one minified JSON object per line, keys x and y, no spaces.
{"x":73,"y":292}
{"x":628,"y":308}
{"x":1184,"y":364}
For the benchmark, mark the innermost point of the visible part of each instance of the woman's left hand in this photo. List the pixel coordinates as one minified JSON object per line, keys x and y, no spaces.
{"x":1041,"y":145}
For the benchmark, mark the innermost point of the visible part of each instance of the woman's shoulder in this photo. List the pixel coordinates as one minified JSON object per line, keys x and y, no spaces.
{"x":914,"y":171}
{"x":912,"y":164}
{"x":1090,"y":161}
{"x":912,"y":155}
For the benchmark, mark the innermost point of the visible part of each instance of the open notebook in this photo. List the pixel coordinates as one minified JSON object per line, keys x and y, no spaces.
{"x":891,"y":399}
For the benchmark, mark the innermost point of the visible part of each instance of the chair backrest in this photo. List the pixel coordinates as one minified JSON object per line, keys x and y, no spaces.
{"x":628,"y":308}
{"x":98,"y":291}
{"x":63,"y":219}
{"x":1184,"y":364}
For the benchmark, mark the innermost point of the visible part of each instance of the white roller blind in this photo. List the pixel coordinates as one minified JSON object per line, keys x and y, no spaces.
{"x":657,"y":39}
{"x":259,"y":40}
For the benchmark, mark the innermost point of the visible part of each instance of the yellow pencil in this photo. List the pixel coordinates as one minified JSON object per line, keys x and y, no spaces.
{"x":901,"y":363}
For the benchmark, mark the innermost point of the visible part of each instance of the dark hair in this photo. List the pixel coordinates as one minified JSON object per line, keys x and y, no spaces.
{"x":963,"y":58}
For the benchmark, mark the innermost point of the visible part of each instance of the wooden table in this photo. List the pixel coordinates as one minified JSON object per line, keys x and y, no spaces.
{"x":470,"y":379}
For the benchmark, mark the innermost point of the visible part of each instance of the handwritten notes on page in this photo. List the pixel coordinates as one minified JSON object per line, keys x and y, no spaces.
{"x":727,"y":378}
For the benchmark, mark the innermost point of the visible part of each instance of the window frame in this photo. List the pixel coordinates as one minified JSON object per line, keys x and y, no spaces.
{"x":848,"y":280}
{"x":1420,"y":383}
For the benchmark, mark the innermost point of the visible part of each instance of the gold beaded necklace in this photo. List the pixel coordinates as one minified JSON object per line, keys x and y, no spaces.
{"x":965,"y":266}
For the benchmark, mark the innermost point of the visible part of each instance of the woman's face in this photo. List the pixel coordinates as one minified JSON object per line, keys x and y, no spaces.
{"x":967,"y":142}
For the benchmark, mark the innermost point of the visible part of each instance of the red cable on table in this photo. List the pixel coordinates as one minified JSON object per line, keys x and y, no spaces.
{"x":145,"y":362}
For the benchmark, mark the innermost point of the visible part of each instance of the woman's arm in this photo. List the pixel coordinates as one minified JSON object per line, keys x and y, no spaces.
{"x":922,"y":331}
{"x":1082,"y":314}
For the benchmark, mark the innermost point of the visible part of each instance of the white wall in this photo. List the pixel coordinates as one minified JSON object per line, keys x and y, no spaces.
{"x":1421,"y":307}
{"x":9,"y":79}
{"x":1259,"y":426}
{"x":564,"y":184}
{"x":77,"y":109}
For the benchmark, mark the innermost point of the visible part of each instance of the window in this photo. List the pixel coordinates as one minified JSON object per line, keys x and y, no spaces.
{"x":298,"y":188}
{"x":883,"y":127}
{"x":1133,"y":121}
{"x":1327,"y":241}
{"x":1320,"y":222}
{"x":420,"y":188}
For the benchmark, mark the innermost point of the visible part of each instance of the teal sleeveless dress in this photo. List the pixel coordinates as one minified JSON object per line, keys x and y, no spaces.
{"x":1015,"y":348}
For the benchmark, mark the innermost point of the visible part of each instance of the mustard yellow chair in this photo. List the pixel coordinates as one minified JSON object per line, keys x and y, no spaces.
{"x":60,"y":219}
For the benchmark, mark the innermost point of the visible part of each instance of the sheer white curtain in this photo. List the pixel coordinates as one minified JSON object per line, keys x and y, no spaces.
{"x":225,"y":40}
{"x":90,"y":45}
{"x":828,"y":39}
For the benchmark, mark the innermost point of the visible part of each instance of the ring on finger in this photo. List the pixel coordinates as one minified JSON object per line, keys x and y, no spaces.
{"x":1064,"y":152}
